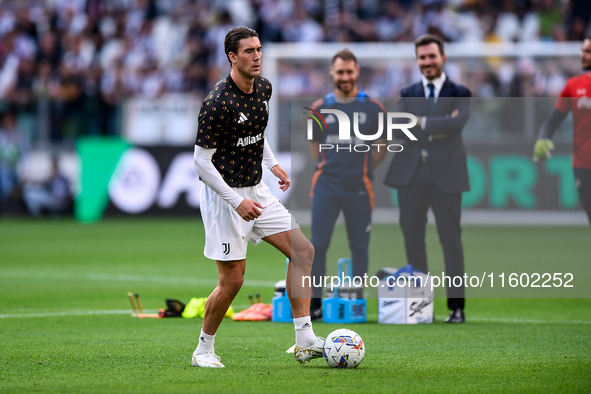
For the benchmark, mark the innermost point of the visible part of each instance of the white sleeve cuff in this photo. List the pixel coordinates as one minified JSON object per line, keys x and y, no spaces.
{"x":212,"y":178}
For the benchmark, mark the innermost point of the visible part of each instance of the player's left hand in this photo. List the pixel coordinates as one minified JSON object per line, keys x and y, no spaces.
{"x":543,"y":149}
{"x":280,"y":173}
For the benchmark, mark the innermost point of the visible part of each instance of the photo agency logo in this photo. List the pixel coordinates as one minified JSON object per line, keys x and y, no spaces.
{"x":359,"y":142}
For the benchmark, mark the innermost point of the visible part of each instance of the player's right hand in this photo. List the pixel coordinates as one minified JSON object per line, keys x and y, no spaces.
{"x":543,"y":149}
{"x":249,"y":209}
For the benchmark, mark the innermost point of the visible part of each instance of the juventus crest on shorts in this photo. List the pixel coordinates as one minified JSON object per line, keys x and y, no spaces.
{"x":234,"y":123}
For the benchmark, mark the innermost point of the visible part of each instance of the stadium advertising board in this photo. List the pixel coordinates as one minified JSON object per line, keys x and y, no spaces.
{"x":167,"y":120}
{"x":123,"y":179}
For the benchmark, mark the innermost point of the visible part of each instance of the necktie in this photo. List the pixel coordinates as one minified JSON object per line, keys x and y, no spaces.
{"x":431,"y":99}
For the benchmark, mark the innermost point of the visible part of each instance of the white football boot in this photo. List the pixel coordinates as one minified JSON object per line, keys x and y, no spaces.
{"x":206,"y":360}
{"x":316,"y":350}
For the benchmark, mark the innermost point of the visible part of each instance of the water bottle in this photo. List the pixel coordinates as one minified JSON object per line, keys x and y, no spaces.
{"x":280,"y":288}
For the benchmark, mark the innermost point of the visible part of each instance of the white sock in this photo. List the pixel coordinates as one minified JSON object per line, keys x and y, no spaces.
{"x":304,"y":333}
{"x":205,"y":343}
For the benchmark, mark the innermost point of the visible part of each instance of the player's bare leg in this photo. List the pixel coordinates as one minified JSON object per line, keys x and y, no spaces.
{"x":231,"y":277}
{"x":300,"y":252}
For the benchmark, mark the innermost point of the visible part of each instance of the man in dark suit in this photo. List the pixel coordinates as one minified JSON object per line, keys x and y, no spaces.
{"x":432,"y":171}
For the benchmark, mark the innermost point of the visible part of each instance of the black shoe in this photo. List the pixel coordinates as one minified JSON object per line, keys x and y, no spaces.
{"x":456,"y":316}
{"x":315,"y":308}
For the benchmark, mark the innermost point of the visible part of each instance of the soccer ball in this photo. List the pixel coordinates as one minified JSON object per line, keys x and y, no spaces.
{"x":344,"y":348}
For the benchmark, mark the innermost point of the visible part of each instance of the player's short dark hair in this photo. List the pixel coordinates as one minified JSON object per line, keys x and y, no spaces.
{"x":232,"y":40}
{"x":427,"y":39}
{"x":344,"y":54}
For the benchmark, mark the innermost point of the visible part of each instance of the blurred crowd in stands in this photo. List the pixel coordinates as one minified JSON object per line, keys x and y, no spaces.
{"x":66,"y":66}
{"x":79,"y":59}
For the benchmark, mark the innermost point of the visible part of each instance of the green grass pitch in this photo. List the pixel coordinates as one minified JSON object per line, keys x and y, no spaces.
{"x":65,"y":322}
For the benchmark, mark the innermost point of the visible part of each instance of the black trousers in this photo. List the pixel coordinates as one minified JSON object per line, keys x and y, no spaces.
{"x":414,"y":201}
{"x":329,"y":200}
{"x":583,"y":181}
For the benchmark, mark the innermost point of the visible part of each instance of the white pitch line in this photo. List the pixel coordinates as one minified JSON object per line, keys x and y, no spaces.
{"x":68,"y":313}
{"x":523,"y":321}
{"x":239,"y":307}
{"x":125,"y":278}
{"x":86,"y":313}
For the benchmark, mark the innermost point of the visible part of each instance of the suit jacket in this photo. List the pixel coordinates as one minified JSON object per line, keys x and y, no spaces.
{"x":447,"y":156}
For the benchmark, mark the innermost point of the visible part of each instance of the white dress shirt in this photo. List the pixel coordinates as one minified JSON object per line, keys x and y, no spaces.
{"x":438,"y":84}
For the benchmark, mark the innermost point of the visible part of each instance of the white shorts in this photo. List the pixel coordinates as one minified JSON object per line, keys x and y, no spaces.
{"x":227,"y":234}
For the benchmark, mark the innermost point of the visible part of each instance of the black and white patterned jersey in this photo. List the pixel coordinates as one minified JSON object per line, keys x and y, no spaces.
{"x":234,"y":123}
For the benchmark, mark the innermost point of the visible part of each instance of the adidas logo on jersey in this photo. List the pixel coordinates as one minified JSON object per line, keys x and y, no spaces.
{"x":243,"y":118}
{"x":249,"y":140}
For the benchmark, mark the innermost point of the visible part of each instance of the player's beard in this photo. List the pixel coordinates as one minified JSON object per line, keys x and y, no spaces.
{"x":350,"y":86}
{"x":436,"y":71}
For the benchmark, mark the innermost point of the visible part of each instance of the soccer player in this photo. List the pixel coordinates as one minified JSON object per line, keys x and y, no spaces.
{"x":575,"y":97}
{"x":342,"y":181}
{"x":236,"y":206}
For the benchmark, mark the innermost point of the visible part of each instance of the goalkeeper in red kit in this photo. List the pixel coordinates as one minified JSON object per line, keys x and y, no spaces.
{"x":575,"y":97}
